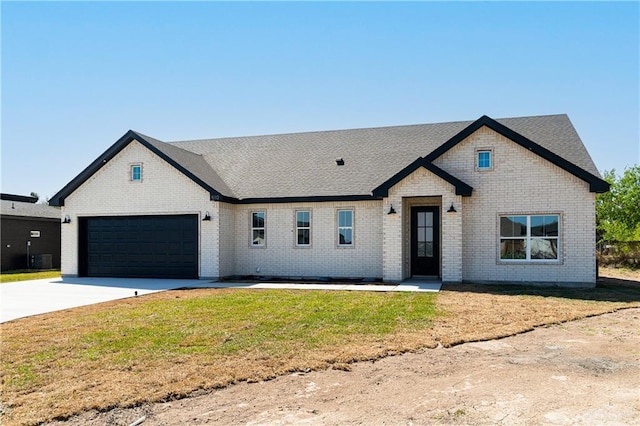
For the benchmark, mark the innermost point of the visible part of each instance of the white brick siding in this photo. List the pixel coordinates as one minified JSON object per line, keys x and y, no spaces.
{"x":520,"y":182}
{"x":163,"y":191}
{"x":227,"y":226}
{"x":281,"y":257}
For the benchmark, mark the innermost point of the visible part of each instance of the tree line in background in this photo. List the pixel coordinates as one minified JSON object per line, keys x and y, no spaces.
{"x":618,"y":219}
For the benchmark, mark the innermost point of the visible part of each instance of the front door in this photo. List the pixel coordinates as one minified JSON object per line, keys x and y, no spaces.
{"x":425,"y":241}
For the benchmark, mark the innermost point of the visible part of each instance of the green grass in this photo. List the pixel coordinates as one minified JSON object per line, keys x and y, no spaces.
{"x":13,"y":276}
{"x":158,"y":345}
{"x":270,"y":322}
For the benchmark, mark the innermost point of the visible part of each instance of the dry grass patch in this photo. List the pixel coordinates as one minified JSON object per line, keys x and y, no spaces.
{"x":487,"y":312}
{"x":620,"y":273}
{"x":168,"y":345}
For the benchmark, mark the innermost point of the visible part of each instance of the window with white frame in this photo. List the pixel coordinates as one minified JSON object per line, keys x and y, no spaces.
{"x":136,"y":172}
{"x":345,"y":228}
{"x":484,"y":159}
{"x":530,"y":237}
{"x":303,"y":228}
{"x":258,"y":228}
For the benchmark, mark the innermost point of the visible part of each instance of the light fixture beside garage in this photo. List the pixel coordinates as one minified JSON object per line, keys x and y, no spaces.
{"x":66,"y":219}
{"x":206,"y":217}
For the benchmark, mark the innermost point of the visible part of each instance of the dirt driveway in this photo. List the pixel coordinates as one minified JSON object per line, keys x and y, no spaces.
{"x":583,"y":372}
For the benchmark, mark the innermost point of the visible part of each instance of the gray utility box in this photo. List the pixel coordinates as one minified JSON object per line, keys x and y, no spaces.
{"x":41,"y":261}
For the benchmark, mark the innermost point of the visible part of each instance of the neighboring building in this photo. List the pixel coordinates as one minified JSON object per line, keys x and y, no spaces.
{"x":490,"y":201}
{"x":30,"y":234}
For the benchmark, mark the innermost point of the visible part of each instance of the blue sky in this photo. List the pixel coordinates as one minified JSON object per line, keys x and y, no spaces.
{"x":77,"y":76}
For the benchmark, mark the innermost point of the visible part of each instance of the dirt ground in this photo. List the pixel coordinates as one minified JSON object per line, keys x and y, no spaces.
{"x":582,"y":372}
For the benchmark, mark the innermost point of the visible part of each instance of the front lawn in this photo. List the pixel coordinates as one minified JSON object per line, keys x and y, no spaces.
{"x":168,"y":345}
{"x":13,"y":276}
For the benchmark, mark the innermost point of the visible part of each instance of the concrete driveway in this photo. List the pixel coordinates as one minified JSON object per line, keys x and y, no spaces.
{"x":27,"y":298}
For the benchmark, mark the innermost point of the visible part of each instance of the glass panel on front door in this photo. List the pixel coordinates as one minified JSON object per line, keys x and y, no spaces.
{"x":424,"y":237}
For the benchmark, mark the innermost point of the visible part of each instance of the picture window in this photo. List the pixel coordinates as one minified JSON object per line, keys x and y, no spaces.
{"x":530,"y":238}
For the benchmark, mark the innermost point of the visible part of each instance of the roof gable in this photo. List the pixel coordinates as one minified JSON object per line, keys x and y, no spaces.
{"x":461,"y":187}
{"x":190,"y":164}
{"x":596,"y":184}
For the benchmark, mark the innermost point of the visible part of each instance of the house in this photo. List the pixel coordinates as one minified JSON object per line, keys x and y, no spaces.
{"x":30,"y":234}
{"x":490,"y":201}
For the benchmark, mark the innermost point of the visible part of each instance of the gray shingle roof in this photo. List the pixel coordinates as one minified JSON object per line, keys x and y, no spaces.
{"x":303,"y":164}
{"x":17,"y":208}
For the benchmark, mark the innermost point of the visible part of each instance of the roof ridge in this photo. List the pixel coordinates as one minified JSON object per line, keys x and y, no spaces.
{"x":356,"y":129}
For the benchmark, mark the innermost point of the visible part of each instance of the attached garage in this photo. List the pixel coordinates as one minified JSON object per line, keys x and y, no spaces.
{"x":139,"y":246}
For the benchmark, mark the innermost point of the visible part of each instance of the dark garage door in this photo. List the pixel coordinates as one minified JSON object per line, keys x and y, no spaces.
{"x":139,"y":246}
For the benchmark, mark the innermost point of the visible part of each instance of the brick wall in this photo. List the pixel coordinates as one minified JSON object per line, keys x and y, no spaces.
{"x":281,"y":256}
{"x":521,"y":183}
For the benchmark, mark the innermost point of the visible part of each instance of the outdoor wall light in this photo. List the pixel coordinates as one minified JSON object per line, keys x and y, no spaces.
{"x":66,"y":219}
{"x":452,"y":209}
{"x":207,"y":216}
{"x":391,"y":210}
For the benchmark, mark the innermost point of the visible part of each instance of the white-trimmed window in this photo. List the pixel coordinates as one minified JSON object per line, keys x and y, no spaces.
{"x":345,"y":228}
{"x":303,"y":228}
{"x":531,"y":238}
{"x":136,"y":172}
{"x":258,"y":229}
{"x":484,"y":159}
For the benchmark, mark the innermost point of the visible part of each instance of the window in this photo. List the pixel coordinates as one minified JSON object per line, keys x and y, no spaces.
{"x":484,"y":160}
{"x":529,"y":238}
{"x":136,"y":172}
{"x":303,"y":228}
{"x":345,"y":227}
{"x":258,"y":229}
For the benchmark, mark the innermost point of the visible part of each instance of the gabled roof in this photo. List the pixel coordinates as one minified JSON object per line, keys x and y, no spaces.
{"x":303,"y":166}
{"x":596,"y":184}
{"x":190,"y":164}
{"x":461,"y":187}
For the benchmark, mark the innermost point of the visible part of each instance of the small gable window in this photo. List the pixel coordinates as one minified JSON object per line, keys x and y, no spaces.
{"x":484,"y":159}
{"x":136,"y":172}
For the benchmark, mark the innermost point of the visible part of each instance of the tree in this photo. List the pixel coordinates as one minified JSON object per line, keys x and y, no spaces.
{"x":618,"y":211}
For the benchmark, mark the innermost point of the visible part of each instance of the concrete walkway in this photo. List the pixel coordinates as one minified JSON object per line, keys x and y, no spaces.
{"x":27,"y":298}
